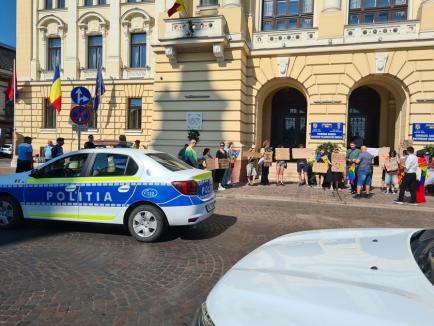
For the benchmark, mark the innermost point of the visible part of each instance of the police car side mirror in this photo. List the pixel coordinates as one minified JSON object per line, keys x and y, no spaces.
{"x":35,"y":173}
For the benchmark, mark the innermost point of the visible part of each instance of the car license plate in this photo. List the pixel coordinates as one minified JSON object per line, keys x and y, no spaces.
{"x":210,"y":207}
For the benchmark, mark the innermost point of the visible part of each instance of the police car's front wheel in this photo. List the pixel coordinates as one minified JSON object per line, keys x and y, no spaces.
{"x":146,"y":223}
{"x":10,"y":212}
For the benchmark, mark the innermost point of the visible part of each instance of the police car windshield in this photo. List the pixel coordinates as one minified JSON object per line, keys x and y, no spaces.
{"x":169,"y":162}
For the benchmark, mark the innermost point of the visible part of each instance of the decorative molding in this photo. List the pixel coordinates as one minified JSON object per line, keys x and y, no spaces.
{"x":380,"y":62}
{"x":170,"y":52}
{"x":287,"y":39}
{"x":332,"y":5}
{"x":282,"y":63}
{"x":219,"y":52}
{"x":208,"y":26}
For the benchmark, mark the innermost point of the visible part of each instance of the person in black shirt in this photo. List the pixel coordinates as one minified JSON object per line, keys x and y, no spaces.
{"x":219,"y":173}
{"x":57,"y":149}
{"x":89,"y":143}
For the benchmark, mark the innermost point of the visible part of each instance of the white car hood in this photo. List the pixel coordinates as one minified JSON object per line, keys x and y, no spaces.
{"x":326,"y":278}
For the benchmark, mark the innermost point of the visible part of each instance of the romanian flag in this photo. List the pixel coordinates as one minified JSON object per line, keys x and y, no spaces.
{"x":11,"y":90}
{"x":177,"y":6}
{"x":56,"y":93}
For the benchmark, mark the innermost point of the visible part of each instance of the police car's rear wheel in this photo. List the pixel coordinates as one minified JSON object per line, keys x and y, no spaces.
{"x":146,"y":223}
{"x":10,"y":212}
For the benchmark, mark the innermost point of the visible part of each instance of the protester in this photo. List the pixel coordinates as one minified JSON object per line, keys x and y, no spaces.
{"x":47,"y":150}
{"x":181,"y":153}
{"x":334,"y":178}
{"x":57,"y":149}
{"x":265,"y":166}
{"x":302,"y":170}
{"x":137,"y":144}
{"x":321,"y":157}
{"x":122,"y":142}
{"x":25,"y":157}
{"x":352,"y":155}
{"x":280,"y":170}
{"x":358,"y":141}
{"x":89,"y":143}
{"x":364,"y":163}
{"x":190,"y":155}
{"x":391,"y":176}
{"x":228,"y":171}
{"x":409,"y":179}
{"x":206,"y":155}
{"x":402,"y":166}
{"x":219,"y":173}
{"x":423,"y":168}
{"x":251,"y":166}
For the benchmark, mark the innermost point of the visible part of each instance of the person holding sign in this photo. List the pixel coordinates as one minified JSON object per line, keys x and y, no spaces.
{"x":391,"y":166}
{"x":251,"y":166}
{"x":321,"y":157}
{"x":352,"y":155}
{"x":220,"y":172}
{"x":281,"y":165}
{"x":335,"y":175}
{"x":302,"y":170}
{"x":266,"y":150}
{"x":206,"y":155}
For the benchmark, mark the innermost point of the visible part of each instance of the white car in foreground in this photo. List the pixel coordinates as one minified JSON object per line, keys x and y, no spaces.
{"x":144,"y":190}
{"x":329,"y":278}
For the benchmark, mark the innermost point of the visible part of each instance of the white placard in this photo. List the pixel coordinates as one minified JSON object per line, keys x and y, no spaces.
{"x":373,"y":151}
{"x":194,"y":120}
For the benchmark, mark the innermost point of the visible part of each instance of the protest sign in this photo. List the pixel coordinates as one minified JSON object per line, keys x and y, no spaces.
{"x":301,"y":153}
{"x":212,"y":164}
{"x":383,"y":154}
{"x":339,"y":162}
{"x":320,"y":167}
{"x":282,"y":154}
{"x":268,"y":157}
{"x":223,"y":163}
{"x":391,"y":165}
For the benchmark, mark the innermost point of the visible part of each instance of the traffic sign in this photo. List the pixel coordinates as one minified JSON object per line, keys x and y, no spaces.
{"x":79,"y":128}
{"x":80,"y":95}
{"x":80,"y":115}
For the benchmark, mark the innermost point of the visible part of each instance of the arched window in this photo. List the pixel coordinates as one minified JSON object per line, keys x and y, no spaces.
{"x":377,"y":11}
{"x":287,"y":14}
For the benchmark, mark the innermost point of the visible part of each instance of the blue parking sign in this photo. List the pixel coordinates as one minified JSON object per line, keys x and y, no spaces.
{"x":80,"y":95}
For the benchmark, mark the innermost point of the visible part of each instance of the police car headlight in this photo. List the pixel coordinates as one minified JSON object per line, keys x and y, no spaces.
{"x":202,"y":317}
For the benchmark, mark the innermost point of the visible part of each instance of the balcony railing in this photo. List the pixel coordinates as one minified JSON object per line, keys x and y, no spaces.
{"x":195,"y":27}
{"x":287,"y":39}
{"x":137,"y":73}
{"x":397,"y":31}
{"x":47,"y":75}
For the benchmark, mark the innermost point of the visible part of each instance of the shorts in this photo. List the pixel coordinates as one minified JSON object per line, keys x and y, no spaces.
{"x":281,"y":164}
{"x":391,"y":179}
{"x":251,"y":170}
{"x":302,"y":167}
{"x":364,"y":178}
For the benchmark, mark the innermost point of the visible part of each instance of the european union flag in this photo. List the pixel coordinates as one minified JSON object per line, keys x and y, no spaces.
{"x":99,"y":89}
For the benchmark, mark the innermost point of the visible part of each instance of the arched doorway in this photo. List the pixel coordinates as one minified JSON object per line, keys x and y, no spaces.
{"x":288,"y":118}
{"x":364,"y":116}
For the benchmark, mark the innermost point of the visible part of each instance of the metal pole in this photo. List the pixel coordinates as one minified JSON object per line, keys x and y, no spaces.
{"x":78,"y":135}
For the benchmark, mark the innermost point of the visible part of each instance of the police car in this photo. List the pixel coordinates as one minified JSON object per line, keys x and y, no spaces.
{"x":144,"y":190}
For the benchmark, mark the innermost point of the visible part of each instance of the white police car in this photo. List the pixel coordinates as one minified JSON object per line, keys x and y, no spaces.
{"x":144,"y":190}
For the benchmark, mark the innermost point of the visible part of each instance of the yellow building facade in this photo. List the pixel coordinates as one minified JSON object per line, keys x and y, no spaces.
{"x":236,"y":70}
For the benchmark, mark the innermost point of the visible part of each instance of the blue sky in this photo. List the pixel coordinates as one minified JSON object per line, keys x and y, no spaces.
{"x":7,"y":22}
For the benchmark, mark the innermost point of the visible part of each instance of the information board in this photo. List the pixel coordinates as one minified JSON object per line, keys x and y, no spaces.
{"x":327,"y":130}
{"x":423,"y":132}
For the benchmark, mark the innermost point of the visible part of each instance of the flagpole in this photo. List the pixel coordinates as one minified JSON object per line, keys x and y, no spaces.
{"x":14,"y":134}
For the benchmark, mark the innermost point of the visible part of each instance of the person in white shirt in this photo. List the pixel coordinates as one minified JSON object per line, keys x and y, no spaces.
{"x":47,"y":151}
{"x":409,"y":179}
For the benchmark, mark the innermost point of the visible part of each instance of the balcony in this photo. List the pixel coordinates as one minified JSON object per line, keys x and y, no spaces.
{"x":387,"y":32}
{"x":287,"y":39}
{"x":195,"y":32}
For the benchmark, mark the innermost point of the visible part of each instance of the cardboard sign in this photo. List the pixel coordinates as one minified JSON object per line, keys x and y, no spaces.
{"x":252,"y":154}
{"x":301,"y":153}
{"x":383,"y":154}
{"x":282,"y":154}
{"x":402,"y":162}
{"x":320,"y":167}
{"x":268,"y":157}
{"x":223,"y":163}
{"x":391,"y":165}
{"x":212,"y":164}
{"x":339,"y":162}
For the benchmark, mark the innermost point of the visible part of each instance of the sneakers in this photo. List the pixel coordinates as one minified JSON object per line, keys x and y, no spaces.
{"x":358,"y":196}
{"x":399,"y":202}
{"x":413,"y":204}
{"x":221,"y":188}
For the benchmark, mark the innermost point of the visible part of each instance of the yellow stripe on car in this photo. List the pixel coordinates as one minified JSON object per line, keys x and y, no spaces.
{"x":82,"y":179}
{"x":82,"y":217}
{"x":202,"y":176}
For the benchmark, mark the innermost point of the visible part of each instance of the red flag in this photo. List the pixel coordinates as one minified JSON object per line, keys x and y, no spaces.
{"x":12,"y":86}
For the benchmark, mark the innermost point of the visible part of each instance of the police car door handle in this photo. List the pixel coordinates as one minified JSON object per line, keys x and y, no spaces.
{"x":70,"y":188}
{"x":124,"y":188}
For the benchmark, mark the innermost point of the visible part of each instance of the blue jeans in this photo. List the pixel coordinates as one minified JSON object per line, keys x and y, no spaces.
{"x":227,"y":176}
{"x":364,"y":178}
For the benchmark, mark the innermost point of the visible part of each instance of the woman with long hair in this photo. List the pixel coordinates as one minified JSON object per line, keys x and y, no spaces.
{"x":265,"y":166}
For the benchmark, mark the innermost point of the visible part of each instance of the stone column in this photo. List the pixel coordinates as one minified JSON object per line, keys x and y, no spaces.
{"x":113,"y":66}
{"x":71,"y":46}
{"x":231,"y":3}
{"x":332,"y":5}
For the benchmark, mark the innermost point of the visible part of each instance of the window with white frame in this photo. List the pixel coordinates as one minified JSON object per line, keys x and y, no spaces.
{"x":138,"y":50}
{"x":287,"y":14}
{"x":209,"y":3}
{"x":48,"y":4}
{"x":49,"y":121}
{"x":94,"y":51}
{"x":60,"y":3}
{"x":134,"y":113}
{"x":377,"y":11}
{"x":54,"y":52}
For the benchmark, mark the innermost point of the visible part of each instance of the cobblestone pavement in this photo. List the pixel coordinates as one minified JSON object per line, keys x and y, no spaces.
{"x":59,"y":273}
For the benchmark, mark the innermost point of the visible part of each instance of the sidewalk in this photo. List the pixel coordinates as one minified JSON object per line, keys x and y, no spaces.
{"x":294,"y":193}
